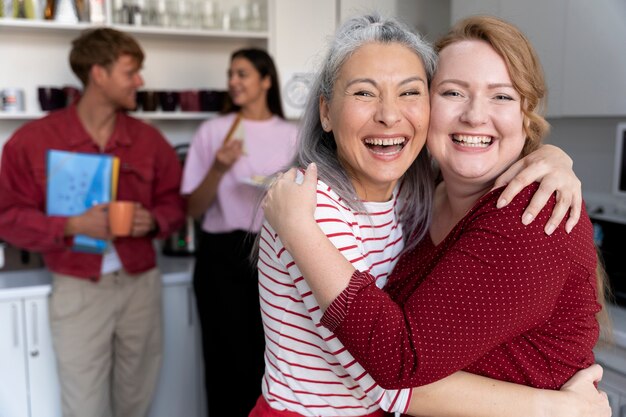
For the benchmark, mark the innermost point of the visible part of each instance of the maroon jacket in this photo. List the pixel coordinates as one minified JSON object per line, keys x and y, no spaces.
{"x":150,"y":173}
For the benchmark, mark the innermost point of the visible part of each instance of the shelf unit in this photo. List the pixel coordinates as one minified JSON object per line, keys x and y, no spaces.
{"x":158,"y":115}
{"x":35,"y":55}
{"x":52,"y":26}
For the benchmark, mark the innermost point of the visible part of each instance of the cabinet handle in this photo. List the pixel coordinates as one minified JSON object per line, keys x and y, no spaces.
{"x":16,"y":334}
{"x":190,"y":307}
{"x":33,"y":309}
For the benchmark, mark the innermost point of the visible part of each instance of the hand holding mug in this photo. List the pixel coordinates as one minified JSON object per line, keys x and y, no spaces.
{"x":93,"y":222}
{"x":143,"y":221}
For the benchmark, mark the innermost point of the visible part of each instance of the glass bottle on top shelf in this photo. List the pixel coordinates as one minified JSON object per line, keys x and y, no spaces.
{"x":19,"y":9}
{"x":241,"y":15}
{"x":65,"y":12}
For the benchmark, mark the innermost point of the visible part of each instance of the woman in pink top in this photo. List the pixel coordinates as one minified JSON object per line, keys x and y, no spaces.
{"x":219,"y":182}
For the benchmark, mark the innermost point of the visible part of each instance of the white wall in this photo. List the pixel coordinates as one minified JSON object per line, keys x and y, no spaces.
{"x":431,"y":18}
{"x":591,"y":144}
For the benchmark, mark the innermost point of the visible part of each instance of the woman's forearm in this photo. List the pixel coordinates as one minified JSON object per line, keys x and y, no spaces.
{"x":327,"y":271}
{"x":467,"y":395}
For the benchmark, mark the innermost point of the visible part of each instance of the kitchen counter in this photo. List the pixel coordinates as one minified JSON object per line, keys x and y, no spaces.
{"x":35,"y":282}
{"x":29,"y":377}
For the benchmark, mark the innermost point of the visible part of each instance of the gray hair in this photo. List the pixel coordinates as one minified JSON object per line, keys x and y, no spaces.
{"x":316,"y":145}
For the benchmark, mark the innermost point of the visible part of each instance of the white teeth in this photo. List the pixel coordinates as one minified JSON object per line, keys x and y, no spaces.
{"x":475,"y":141}
{"x":385,"y":141}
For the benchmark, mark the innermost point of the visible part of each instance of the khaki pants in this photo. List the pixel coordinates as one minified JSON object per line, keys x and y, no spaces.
{"x":107,"y":339}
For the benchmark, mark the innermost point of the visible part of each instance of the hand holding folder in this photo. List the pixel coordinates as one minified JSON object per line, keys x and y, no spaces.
{"x":75,"y":183}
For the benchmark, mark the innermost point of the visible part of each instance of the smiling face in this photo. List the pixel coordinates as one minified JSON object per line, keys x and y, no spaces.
{"x":121,"y":81}
{"x":476,"y":128}
{"x":246,"y":86}
{"x":378,"y":115}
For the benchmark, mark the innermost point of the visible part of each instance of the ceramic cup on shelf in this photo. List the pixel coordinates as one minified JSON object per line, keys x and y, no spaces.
{"x":121,"y":217}
{"x":190,"y":100}
{"x":212,"y":100}
{"x":139,"y":97}
{"x":72,"y":94}
{"x":168,"y":100}
{"x":51,"y":98}
{"x":149,"y":100}
{"x":12,"y":100}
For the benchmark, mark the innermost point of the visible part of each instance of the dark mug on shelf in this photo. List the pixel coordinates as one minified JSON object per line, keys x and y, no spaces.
{"x":168,"y":100}
{"x":149,"y":100}
{"x":189,"y":100}
{"x":139,"y":97}
{"x":51,"y":98}
{"x":211,"y":100}
{"x":72,"y":94}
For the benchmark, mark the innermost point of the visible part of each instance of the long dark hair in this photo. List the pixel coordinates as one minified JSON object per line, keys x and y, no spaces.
{"x":264,"y":64}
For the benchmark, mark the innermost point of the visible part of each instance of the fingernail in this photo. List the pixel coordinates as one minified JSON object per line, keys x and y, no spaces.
{"x":501,"y":203}
{"x":568,"y":228}
{"x":550,"y":228}
{"x":527,"y":219}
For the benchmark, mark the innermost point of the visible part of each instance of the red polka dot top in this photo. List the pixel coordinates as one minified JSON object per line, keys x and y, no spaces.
{"x":494,"y":298}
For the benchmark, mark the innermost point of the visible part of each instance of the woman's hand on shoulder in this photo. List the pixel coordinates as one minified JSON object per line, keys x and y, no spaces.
{"x":289,"y":206}
{"x":552,"y":167}
{"x":587,"y":400}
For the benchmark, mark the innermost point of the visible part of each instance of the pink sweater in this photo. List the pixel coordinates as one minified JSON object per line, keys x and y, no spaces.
{"x":269,"y":145}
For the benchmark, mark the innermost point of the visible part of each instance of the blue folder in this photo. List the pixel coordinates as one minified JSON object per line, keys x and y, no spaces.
{"x":75,"y":182}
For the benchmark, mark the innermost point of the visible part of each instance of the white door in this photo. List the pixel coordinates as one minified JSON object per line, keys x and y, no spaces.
{"x":43,"y":381}
{"x":13,"y":382}
{"x":178,"y":390}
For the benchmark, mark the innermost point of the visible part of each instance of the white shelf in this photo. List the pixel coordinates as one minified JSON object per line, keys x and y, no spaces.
{"x":173,"y":115}
{"x":20,"y":116}
{"x":159,"y":115}
{"x":204,"y":33}
{"x":29,"y":24}
{"x":53,"y":26}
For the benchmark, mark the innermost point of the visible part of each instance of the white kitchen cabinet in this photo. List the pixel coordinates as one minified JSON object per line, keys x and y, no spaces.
{"x":579,"y":44}
{"x":28,"y":386}
{"x":13,"y":382}
{"x":180,"y":391}
{"x":544,"y":23}
{"x":42,"y":373}
{"x":594,"y":76}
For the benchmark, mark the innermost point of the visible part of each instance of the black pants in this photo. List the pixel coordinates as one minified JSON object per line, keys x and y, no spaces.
{"x":227,"y":294}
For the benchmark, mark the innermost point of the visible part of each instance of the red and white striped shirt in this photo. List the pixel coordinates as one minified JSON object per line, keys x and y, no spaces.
{"x":307,"y":369}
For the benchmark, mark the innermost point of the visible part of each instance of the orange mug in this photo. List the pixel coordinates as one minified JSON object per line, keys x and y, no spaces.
{"x":121,"y":215}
